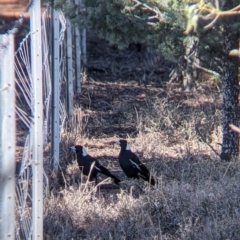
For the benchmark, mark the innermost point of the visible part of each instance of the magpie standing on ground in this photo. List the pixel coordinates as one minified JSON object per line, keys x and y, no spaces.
{"x":131,"y":164}
{"x":89,"y":166}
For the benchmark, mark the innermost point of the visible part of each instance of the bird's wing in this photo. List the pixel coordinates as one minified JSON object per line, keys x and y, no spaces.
{"x":85,"y":159}
{"x":136,"y":162}
{"x":97,"y":165}
{"x":134,"y":158}
{"x":100,"y":168}
{"x":90,"y":159}
{"x":143,"y":171}
{"x":106,"y":172}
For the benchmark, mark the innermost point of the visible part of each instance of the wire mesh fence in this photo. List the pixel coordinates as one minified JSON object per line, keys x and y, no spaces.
{"x":25,"y":116}
{"x":43,"y":96}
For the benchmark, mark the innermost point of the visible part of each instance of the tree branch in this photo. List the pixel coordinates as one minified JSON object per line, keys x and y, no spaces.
{"x":145,"y":8}
{"x":206,"y":12}
{"x":207,"y":70}
{"x":210,"y":25}
{"x":234,"y":128}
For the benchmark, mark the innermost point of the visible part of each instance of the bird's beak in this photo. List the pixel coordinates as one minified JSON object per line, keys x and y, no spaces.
{"x":73,"y":148}
{"x":116,"y":142}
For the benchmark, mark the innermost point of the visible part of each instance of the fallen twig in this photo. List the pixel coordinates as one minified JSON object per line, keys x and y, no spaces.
{"x":204,"y":140}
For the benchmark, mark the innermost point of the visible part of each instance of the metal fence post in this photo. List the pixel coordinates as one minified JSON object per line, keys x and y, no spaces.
{"x":37,"y":131}
{"x":55,"y":91}
{"x":77,"y":56}
{"x":84,"y":46}
{"x":7,"y":139}
{"x":69,"y":69}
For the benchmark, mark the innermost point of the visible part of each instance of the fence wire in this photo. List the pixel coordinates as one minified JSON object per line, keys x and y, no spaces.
{"x":24,"y":109}
{"x":24,"y":118}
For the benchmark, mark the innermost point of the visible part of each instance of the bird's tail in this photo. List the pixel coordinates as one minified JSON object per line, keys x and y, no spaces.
{"x":116,"y":180}
{"x":107,"y":173}
{"x":149,"y":179}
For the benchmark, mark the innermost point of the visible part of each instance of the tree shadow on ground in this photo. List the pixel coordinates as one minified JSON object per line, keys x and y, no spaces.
{"x":106,"y":62}
{"x":139,"y":212}
{"x":170,"y":168}
{"x":114,"y":109}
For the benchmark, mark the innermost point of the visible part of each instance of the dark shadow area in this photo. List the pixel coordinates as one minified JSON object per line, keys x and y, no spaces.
{"x":190,"y":171}
{"x":108,"y":63}
{"x":110,"y":109}
{"x":190,"y":168}
{"x":8,"y":23}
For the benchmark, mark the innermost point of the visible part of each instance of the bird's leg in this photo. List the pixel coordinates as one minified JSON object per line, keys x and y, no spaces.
{"x":139,"y":185}
{"x":96,"y":181}
{"x":97,"y":188}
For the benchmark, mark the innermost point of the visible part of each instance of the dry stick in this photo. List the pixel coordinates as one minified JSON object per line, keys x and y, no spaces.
{"x":215,"y":13}
{"x":234,"y":128}
{"x":217,"y":4}
{"x":205,"y":141}
{"x":156,"y":10}
{"x":92,"y":166}
{"x":65,"y":181}
{"x":210,"y":25}
{"x":227,"y":168}
{"x":99,"y":184}
{"x":207,"y":70}
{"x":145,"y":7}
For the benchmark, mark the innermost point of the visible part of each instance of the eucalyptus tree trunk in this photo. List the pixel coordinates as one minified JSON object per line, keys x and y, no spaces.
{"x":230,"y":96}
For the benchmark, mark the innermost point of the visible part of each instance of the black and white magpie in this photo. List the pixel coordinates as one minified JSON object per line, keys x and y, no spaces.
{"x":131,"y":164}
{"x":89,"y":166}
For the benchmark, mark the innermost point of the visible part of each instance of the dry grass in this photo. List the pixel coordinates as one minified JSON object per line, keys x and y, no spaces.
{"x":197,"y":195}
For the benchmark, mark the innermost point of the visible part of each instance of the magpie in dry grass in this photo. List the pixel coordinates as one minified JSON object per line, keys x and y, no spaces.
{"x":131,"y":164}
{"x":89,"y":166}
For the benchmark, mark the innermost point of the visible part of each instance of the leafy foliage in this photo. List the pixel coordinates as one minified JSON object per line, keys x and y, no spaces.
{"x":159,"y":25}
{"x":210,"y":32}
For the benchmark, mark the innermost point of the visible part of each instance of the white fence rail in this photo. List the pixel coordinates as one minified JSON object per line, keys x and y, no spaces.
{"x":37,"y":123}
{"x":7,"y":138}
